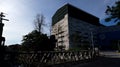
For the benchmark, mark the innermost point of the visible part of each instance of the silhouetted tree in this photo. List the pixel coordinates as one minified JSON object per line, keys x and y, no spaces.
{"x":50,"y":28}
{"x":39,"y":22}
{"x":13,"y":51}
{"x":35,"y":41}
{"x":52,"y":41}
{"x":14,"y":47}
{"x":113,"y":12}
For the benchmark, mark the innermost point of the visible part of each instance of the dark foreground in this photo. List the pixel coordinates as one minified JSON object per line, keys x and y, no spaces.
{"x":101,"y":62}
{"x":98,"y":62}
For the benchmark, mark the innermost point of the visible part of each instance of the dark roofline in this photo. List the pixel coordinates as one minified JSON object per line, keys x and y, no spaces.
{"x":59,"y":14}
{"x":81,"y":10}
{"x":75,"y":13}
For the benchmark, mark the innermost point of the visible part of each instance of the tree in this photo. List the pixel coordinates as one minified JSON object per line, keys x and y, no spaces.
{"x":35,"y":41}
{"x":113,"y":12}
{"x":39,"y":22}
{"x":50,"y":28}
{"x":14,"y":47}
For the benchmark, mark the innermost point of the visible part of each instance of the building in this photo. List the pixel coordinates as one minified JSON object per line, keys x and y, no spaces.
{"x":74,"y":28}
{"x":109,"y":38}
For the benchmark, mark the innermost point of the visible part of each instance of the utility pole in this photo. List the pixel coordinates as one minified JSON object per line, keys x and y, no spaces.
{"x":2,"y":40}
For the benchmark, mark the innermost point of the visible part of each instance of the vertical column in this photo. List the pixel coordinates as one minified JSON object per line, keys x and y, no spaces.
{"x":1,"y":31}
{"x":2,"y":41}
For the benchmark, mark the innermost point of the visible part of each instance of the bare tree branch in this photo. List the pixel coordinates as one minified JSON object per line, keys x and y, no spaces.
{"x":39,"y":22}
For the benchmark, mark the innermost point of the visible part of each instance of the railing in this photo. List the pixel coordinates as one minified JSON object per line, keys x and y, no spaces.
{"x":52,"y":57}
{"x":45,"y":58}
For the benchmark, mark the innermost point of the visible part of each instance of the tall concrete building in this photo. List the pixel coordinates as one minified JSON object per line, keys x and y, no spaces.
{"x":74,"y":27}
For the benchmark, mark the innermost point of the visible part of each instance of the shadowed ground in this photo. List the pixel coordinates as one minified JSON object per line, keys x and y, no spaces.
{"x":101,"y":62}
{"x":107,"y":59}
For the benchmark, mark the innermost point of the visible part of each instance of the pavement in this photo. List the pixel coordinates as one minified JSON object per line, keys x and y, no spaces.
{"x":110,"y":54}
{"x":107,"y":59}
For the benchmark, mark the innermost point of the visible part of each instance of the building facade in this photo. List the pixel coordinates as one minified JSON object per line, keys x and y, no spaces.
{"x":109,"y":38}
{"x":74,"y":28}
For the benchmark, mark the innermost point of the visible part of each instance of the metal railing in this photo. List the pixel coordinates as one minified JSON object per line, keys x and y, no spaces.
{"x":42,"y":58}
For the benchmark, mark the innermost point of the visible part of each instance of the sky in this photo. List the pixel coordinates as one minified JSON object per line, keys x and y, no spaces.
{"x":21,"y":14}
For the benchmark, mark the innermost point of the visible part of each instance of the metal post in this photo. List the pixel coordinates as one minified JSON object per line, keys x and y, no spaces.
{"x":118,"y":45}
{"x":92,"y":42}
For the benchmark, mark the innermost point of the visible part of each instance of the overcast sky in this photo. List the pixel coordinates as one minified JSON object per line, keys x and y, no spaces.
{"x":21,"y":14}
